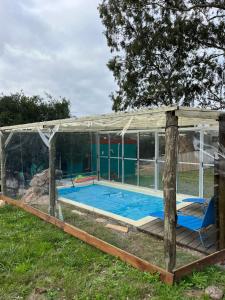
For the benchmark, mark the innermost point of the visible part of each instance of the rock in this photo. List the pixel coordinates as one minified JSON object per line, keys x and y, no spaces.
{"x":2,"y":203}
{"x":38,"y":193}
{"x":214,"y":292}
{"x":100,"y":220}
{"x":78,"y":212}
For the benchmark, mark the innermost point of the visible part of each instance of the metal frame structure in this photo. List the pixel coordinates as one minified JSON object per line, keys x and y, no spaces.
{"x":156,"y":160}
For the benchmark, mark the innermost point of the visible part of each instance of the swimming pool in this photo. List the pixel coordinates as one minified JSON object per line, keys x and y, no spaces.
{"x":124,"y":203}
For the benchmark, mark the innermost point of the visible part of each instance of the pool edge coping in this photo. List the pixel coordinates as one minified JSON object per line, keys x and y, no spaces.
{"x":117,"y":217}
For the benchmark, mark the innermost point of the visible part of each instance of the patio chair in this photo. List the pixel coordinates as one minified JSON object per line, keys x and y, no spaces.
{"x":194,"y":223}
{"x":203,"y":201}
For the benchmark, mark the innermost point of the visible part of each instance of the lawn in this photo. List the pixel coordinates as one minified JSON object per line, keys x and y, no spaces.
{"x":39,"y":261}
{"x":187,"y":181}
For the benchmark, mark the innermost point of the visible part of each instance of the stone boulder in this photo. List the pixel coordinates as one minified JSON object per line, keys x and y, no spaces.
{"x":38,"y":192}
{"x":214,"y":292}
{"x":2,"y":203}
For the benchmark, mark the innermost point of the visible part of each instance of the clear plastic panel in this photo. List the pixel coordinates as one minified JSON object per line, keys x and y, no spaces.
{"x":210,"y":150}
{"x":160,"y":175}
{"x":161,"y":137}
{"x":147,"y":145}
{"x":188,"y":179}
{"x":76,"y":154}
{"x":188,"y":163}
{"x":115,"y":145}
{"x":147,"y":174}
{"x":208,"y":183}
{"x":210,"y":147}
{"x":104,"y":144}
{"x":104,"y":168}
{"x":130,"y":145}
{"x":130,"y":171}
{"x":189,"y":147}
{"x":26,"y":157}
{"x":116,"y":169}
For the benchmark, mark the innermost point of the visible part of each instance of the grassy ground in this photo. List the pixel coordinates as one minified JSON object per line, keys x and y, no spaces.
{"x":140,"y":244}
{"x":38,"y":261}
{"x":187,"y":182}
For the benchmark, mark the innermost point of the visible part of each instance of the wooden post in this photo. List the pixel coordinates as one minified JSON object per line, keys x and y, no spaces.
{"x":169,"y":190}
{"x":3,"y":162}
{"x":216,"y":195}
{"x":221,"y":183}
{"x":52,"y":177}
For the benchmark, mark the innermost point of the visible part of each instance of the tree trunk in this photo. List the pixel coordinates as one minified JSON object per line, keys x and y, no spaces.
{"x":221,"y":184}
{"x":3,"y":162}
{"x":169,"y":190}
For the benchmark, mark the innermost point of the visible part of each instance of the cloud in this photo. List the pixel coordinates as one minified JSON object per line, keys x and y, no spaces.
{"x":57,"y":48}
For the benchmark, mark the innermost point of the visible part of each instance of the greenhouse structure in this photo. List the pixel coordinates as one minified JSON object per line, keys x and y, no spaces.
{"x":112,"y":160}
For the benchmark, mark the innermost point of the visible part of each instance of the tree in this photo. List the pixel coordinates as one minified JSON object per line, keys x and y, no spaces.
{"x":20,"y":109}
{"x":166,"y":52}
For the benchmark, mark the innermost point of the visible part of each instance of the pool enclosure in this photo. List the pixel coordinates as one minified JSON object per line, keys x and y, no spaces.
{"x":176,"y":150}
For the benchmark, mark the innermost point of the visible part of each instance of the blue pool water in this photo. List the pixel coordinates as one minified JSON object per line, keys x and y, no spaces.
{"x":124,"y":203}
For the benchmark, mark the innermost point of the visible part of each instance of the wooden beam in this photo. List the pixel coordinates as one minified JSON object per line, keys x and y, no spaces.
{"x":52,"y":177}
{"x":106,"y":117}
{"x":169,"y":190}
{"x":216,"y":196}
{"x":3,"y":164}
{"x":197,"y":113}
{"x":127,"y":257}
{"x":221,"y":185}
{"x":199,"y":264}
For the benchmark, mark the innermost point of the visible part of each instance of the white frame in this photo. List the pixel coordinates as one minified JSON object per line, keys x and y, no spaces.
{"x":156,"y":161}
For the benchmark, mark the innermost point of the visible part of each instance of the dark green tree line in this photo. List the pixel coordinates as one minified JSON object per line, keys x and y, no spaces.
{"x":18,"y":108}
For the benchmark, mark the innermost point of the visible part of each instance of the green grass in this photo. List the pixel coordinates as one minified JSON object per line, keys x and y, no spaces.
{"x":187,"y":181}
{"x":39,"y":261}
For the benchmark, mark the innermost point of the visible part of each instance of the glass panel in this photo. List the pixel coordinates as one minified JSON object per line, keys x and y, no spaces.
{"x":115,"y":145}
{"x":104,"y":144}
{"x":210,"y":146}
{"x":94,"y":152}
{"x":161,"y":169}
{"x":104,"y":168}
{"x":130,"y":171}
{"x":188,"y":179}
{"x":188,"y":147}
{"x":130,"y":145}
{"x":161,"y":146}
{"x":74,"y":153}
{"x":116,"y":169}
{"x":147,"y":146}
{"x":208,"y":183}
{"x":147,"y":174}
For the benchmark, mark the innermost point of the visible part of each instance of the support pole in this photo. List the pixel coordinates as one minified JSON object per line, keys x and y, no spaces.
{"x":221,"y":184}
{"x":3,"y":161}
{"x":169,"y":190}
{"x":52,"y":177}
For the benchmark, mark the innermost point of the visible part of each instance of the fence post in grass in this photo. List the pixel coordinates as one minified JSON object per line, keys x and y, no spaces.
{"x":169,"y":190}
{"x":221,"y":184}
{"x":3,"y":161}
{"x":52,"y":177}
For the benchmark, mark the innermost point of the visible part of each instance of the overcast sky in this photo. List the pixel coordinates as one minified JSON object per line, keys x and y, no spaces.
{"x":56,"y":47}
